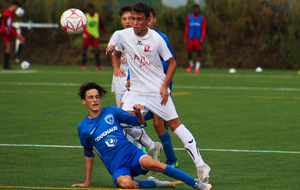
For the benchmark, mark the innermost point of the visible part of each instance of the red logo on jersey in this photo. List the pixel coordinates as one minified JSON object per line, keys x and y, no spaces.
{"x":142,"y":60}
{"x":147,"y":49}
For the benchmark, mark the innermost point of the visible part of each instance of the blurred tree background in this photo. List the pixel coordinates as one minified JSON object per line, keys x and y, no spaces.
{"x":240,"y":33}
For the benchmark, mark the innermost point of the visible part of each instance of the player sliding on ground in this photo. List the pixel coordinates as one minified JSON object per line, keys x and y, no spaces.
{"x":101,"y":130}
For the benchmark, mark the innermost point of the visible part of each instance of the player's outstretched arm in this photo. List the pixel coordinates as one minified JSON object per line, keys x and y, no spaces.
{"x":88,"y":171}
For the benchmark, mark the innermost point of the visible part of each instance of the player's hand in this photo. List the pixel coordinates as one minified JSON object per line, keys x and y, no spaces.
{"x":128,"y":84}
{"x":119,"y":73}
{"x":164,"y":95}
{"x":138,"y":108}
{"x":80,"y":185}
{"x":110,"y":49}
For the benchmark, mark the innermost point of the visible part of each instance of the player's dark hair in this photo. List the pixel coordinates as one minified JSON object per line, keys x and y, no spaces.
{"x":88,"y":86}
{"x":126,"y":8}
{"x":152,"y":11}
{"x":141,"y":7}
{"x":91,"y":6}
{"x":196,"y":6}
{"x":16,"y":3}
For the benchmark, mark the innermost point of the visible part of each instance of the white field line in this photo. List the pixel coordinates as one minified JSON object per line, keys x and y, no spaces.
{"x":175,"y":86}
{"x":201,"y":149}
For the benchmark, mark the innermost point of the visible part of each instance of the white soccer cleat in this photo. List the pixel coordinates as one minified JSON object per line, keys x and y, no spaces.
{"x":161,"y":184}
{"x":203,"y":173}
{"x":155,"y":153}
{"x":203,"y":186}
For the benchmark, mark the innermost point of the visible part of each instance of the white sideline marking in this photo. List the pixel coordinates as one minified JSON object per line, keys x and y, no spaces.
{"x":202,"y":149}
{"x":174,"y":86}
{"x":18,"y":71}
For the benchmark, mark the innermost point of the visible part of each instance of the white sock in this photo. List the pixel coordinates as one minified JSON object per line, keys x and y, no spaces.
{"x":190,"y":144}
{"x":198,"y":64}
{"x":140,"y":135}
{"x":191,"y":63}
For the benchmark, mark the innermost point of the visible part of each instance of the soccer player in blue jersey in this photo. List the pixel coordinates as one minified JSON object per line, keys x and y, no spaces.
{"x":101,"y":131}
{"x":194,"y":35}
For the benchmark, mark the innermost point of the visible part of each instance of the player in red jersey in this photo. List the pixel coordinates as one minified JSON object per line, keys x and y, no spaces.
{"x":193,"y":37}
{"x":9,"y":34}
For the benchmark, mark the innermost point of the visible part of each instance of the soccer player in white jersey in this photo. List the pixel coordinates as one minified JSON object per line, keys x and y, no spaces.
{"x":101,"y":131}
{"x":137,"y":136}
{"x":149,"y":84}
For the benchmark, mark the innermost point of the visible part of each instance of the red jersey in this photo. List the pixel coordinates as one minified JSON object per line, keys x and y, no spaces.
{"x":7,"y":20}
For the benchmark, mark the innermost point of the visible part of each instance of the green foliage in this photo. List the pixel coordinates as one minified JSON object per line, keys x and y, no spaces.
{"x":240,"y":33}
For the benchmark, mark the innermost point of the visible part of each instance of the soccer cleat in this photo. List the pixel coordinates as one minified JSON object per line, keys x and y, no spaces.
{"x":189,"y":69}
{"x":203,"y":173}
{"x":173,"y":164}
{"x":144,"y":150}
{"x":203,"y":186}
{"x":155,"y":153}
{"x":161,"y":184}
{"x":196,"y":70}
{"x":100,"y":67}
{"x":83,"y":67}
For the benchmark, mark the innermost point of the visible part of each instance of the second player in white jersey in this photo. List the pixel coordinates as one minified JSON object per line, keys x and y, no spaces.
{"x":119,"y":83}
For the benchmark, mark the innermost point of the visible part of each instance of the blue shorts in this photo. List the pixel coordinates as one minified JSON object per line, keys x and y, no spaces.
{"x":131,"y":167}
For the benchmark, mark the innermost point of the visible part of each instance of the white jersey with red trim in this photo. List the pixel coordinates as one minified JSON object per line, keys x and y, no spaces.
{"x":142,"y":54}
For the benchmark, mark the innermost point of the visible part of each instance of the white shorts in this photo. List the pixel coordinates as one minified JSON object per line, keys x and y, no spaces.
{"x":151,"y":103}
{"x":119,"y":98}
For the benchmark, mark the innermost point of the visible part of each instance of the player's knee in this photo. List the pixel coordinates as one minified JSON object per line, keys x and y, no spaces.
{"x":127,"y":185}
{"x":126,"y":182}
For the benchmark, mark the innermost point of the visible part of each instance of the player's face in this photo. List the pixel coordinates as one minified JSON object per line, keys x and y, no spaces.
{"x":196,"y":10}
{"x":139,"y":23}
{"x":126,"y":20}
{"x":152,"y":21}
{"x":92,"y":100}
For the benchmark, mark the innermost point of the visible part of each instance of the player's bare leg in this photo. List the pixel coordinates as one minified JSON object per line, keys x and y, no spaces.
{"x":191,"y":62}
{"x":84,"y":57}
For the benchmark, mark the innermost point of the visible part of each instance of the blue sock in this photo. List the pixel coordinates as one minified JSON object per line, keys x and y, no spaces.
{"x":146,"y":184}
{"x":180,"y":175}
{"x":148,"y":116}
{"x":168,"y":147}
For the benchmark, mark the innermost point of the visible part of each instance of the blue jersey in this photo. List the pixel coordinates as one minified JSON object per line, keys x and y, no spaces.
{"x":165,"y":64}
{"x":106,"y":135}
{"x":195,"y":27}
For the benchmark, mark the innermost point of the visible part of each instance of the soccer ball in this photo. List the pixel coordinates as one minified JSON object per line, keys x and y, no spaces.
{"x":73,"y":21}
{"x":232,"y":70}
{"x":19,"y":12}
{"x":25,"y":65}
